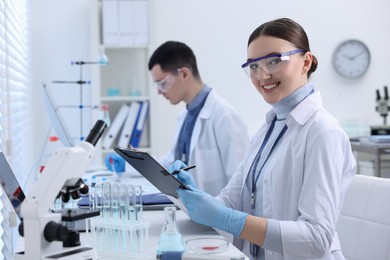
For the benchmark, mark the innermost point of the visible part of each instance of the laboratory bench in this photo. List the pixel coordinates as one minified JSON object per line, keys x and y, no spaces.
{"x":372,"y":158}
{"x":155,"y":219}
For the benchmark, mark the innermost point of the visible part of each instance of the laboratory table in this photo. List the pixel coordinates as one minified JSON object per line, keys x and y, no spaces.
{"x":188,"y":228}
{"x":378,"y":153}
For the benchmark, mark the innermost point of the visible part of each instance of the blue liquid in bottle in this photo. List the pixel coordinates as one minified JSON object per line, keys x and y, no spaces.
{"x":171,"y":245}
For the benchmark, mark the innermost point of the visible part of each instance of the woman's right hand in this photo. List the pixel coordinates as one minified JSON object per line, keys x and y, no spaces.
{"x":207,"y":210}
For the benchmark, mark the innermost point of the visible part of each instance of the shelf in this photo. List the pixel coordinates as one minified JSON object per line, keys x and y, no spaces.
{"x":125,"y":72}
{"x":123,"y":47}
{"x":125,"y":79}
{"x":124,"y":98}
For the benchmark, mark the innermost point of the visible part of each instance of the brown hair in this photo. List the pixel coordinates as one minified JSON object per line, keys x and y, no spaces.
{"x":289,"y":30}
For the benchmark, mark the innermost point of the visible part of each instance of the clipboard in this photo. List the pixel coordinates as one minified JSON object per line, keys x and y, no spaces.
{"x":152,"y":170}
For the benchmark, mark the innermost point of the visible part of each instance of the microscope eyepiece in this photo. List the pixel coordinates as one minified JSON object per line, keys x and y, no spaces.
{"x":96,"y":132}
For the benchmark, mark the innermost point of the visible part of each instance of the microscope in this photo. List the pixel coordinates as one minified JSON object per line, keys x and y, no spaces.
{"x":382,"y":108}
{"x":45,"y":236}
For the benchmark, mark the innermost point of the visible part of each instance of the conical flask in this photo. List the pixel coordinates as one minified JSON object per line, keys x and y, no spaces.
{"x":171,"y":245}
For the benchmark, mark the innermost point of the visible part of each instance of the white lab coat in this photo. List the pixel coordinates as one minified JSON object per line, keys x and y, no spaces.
{"x":305,"y":180}
{"x":218,"y":144}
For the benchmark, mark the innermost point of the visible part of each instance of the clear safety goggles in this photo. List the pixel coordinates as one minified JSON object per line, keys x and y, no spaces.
{"x":269,"y":64}
{"x":163,"y":85}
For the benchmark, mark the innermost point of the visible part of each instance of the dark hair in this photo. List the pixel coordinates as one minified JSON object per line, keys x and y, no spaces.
{"x":289,"y":30}
{"x":173,"y":55}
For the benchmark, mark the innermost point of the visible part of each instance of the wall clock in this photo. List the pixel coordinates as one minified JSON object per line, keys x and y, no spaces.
{"x":351,"y":58}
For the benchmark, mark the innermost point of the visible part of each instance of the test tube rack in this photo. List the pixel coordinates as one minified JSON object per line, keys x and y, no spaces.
{"x":120,"y":240}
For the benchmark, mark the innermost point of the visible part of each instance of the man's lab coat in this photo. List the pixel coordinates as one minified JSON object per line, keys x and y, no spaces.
{"x":218,"y":144}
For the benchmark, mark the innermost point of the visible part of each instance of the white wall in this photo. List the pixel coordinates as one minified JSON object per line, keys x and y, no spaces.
{"x":217,"y":31}
{"x":60,"y":34}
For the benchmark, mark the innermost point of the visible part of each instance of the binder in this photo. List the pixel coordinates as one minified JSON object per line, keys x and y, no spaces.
{"x":110,"y":25}
{"x":126,"y":19}
{"x":140,"y":29}
{"x":129,"y":124}
{"x":115,"y":127}
{"x":141,"y":120}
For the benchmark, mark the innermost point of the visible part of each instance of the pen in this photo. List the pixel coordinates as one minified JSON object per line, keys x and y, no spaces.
{"x":184,"y":169}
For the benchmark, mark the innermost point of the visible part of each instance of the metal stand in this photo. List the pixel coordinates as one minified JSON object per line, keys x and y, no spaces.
{"x":81,"y":82}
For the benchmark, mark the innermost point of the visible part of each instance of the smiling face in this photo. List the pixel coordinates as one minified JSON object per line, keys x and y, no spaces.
{"x":292,"y":75}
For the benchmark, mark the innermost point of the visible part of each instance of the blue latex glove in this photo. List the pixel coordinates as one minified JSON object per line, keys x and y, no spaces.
{"x":183,"y":176}
{"x":207,"y":210}
{"x":113,"y":159}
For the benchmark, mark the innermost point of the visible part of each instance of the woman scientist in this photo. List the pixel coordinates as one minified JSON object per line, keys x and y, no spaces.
{"x":285,"y":199}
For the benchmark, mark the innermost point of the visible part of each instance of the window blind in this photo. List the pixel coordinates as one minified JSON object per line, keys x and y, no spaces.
{"x":16,"y":126}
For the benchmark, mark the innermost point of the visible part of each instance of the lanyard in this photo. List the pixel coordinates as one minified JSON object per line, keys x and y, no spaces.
{"x":268,"y":134}
{"x":254,"y":248}
{"x":255,"y":178}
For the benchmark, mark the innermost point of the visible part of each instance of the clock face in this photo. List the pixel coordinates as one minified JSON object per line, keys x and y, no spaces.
{"x":351,"y":59}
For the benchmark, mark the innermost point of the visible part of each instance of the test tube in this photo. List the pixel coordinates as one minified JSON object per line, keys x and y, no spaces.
{"x":138,"y":203}
{"x":106,"y":191}
{"x":131,"y":215}
{"x":139,"y":234}
{"x":107,"y":231}
{"x":98,"y":197}
{"x":92,"y":200}
{"x":123,"y":216}
{"x":98,"y":205}
{"x":123,"y":201}
{"x":115,"y":198}
{"x":116,"y":232}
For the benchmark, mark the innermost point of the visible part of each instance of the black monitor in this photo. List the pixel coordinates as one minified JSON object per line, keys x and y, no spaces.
{"x":11,"y":185}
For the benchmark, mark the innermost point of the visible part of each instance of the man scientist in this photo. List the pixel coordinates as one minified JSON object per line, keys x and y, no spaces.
{"x":210,"y":134}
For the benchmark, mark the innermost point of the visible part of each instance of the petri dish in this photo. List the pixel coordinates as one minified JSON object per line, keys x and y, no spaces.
{"x":207,"y":245}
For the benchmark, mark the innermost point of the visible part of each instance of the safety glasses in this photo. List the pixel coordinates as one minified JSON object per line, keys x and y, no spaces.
{"x":269,"y":64}
{"x":163,"y":85}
